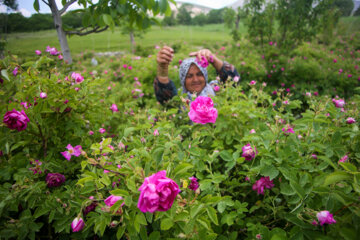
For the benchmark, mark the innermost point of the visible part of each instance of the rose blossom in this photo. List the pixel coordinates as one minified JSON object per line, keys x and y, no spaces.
{"x":261,"y":184}
{"x":253,"y":82}
{"x":16,"y":120}
{"x":77,"y":77}
{"x":111,"y":200}
{"x":72,"y":151}
{"x":339,"y":103}
{"x":114,"y":108}
{"x":77,"y":224}
{"x":325,"y":217}
{"x":15,"y":71}
{"x":344,"y":158}
{"x":202,"y":110}
{"x":350,"y":120}
{"x":203,"y":62}
{"x":43,"y":95}
{"x":216,"y":88}
{"x":252,"y":131}
{"x":55,"y":179}
{"x":194,"y":185}
{"x":102,"y":130}
{"x":37,"y":52}
{"x":157,"y":193}
{"x":248,"y":152}
{"x":91,"y":133}
{"x":288,"y":130}
{"x":156,"y":132}
{"x":236,"y":78}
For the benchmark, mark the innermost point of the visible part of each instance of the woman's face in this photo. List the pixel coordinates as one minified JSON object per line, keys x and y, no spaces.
{"x":194,"y":80}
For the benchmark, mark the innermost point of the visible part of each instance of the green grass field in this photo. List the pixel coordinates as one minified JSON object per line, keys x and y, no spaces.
{"x":24,"y":44}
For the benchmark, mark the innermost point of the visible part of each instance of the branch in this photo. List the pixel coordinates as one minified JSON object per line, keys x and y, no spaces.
{"x":45,"y":2}
{"x":81,"y":33}
{"x":66,"y":6}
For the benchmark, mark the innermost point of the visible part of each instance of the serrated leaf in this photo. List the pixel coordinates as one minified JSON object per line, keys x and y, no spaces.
{"x":40,"y":211}
{"x":269,"y":171}
{"x":5,"y":74}
{"x":226,"y":156}
{"x":182,"y":168}
{"x":140,"y":218}
{"x":298,"y":189}
{"x":119,"y":192}
{"x":128,"y":130}
{"x":166,"y":224}
{"x":212,"y":215}
{"x":108,"y":19}
{"x":336,"y":177}
{"x":120,"y":232}
{"x":195,"y":210}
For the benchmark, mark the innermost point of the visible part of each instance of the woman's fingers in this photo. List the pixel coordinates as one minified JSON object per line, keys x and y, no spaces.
{"x":165,"y":55}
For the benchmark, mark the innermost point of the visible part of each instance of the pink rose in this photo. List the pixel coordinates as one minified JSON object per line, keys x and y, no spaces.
{"x":248,"y":152}
{"x":344,"y":158}
{"x":325,"y":217}
{"x":261,"y":184}
{"x":15,"y":71}
{"x":102,"y":130}
{"x":236,"y":78}
{"x":43,"y":95}
{"x":114,"y":108}
{"x":203,"y":62}
{"x":91,"y":133}
{"x":216,"y":88}
{"x":202,"y":110}
{"x":72,"y":151}
{"x":55,"y":179}
{"x":194,"y":185}
{"x":339,"y":103}
{"x":77,"y":224}
{"x":156,"y":132}
{"x":253,"y":82}
{"x":157,"y":193}
{"x":16,"y":120}
{"x":77,"y":77}
{"x":37,"y":52}
{"x":111,"y":200}
{"x":350,"y":120}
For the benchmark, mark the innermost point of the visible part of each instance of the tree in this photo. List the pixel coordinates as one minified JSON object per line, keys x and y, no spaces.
{"x":100,"y":16}
{"x":216,"y":16}
{"x":200,"y":19}
{"x":232,"y":21}
{"x":345,"y":6}
{"x":11,"y":4}
{"x":169,"y":20}
{"x":183,"y":17}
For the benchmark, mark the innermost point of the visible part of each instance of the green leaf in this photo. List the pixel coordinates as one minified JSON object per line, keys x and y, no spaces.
{"x":297,"y":188}
{"x":41,"y":211}
{"x":336,"y":177}
{"x":269,"y":171}
{"x":5,"y":74}
{"x":140,"y":218}
{"x":120,"y":232}
{"x":212,"y":215}
{"x":108,"y":19}
{"x":154,"y":235}
{"x":166,"y":224}
{"x":128,"y":130}
{"x":182,"y":168}
{"x":226,"y":156}
{"x":286,"y":189}
{"x":348,"y":166}
{"x":119,"y":192}
{"x":195,"y":210}
{"x":336,"y":138}
{"x":36,"y":5}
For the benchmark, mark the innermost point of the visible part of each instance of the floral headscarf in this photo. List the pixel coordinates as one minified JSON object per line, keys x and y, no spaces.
{"x":184,"y":68}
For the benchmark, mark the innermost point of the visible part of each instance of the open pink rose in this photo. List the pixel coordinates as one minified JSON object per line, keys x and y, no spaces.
{"x":77,"y":77}
{"x":157,"y":193}
{"x":339,"y":103}
{"x":111,"y":200}
{"x":72,"y":151}
{"x":77,"y":224}
{"x":202,"y":110}
{"x":114,"y":108}
{"x":248,"y":152}
{"x":325,"y":217}
{"x":55,"y":179}
{"x":261,"y":184}
{"x":16,"y":120}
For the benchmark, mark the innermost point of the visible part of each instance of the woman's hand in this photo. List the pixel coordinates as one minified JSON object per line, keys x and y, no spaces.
{"x":163,"y":59}
{"x":211,"y":58}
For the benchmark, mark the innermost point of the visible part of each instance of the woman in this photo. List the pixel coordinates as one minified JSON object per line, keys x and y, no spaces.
{"x":193,"y":77}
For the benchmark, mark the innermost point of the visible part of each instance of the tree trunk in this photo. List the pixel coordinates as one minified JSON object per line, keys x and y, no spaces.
{"x":132,"y":40}
{"x":60,"y":32}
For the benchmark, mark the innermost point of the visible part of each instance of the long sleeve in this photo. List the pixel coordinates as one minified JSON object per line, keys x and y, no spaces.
{"x":227,"y":70}
{"x":164,"y":92}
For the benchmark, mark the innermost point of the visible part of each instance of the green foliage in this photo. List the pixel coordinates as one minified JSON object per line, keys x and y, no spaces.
{"x":345,"y":6}
{"x":183,"y":16}
{"x":225,"y":206}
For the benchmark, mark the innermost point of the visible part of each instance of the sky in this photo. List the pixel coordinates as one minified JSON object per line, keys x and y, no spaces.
{"x":26,"y":6}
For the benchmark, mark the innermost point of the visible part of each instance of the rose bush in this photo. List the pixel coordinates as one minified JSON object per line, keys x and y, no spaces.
{"x":195,"y":181}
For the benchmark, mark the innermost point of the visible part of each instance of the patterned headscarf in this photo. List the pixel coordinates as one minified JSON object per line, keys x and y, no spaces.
{"x":184,"y":68}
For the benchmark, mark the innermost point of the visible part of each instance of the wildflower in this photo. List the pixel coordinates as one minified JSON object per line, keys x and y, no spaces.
{"x":325,"y":217}
{"x":194,"y":185}
{"x":72,"y":151}
{"x":261,"y":184}
{"x":350,"y":120}
{"x":114,"y":108}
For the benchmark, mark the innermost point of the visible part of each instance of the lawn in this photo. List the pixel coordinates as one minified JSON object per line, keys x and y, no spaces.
{"x":24,"y":44}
